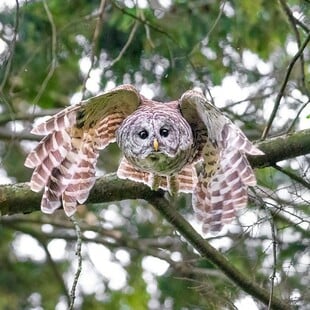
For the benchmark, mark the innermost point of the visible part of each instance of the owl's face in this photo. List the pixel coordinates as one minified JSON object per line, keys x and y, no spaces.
{"x":156,"y":139}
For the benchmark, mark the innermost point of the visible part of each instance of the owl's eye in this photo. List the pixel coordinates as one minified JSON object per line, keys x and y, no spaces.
{"x":164,"y":132}
{"x":143,"y":134}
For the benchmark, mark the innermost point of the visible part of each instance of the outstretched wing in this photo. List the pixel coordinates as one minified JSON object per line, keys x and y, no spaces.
{"x":223,"y":170}
{"x":65,"y":159}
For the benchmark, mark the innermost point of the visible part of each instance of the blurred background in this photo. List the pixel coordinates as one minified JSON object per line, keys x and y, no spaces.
{"x":54,"y":53}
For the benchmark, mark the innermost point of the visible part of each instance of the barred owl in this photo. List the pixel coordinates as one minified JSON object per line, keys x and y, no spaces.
{"x":185,"y":145}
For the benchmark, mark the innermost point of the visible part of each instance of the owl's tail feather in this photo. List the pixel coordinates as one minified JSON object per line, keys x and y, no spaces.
{"x":185,"y":178}
{"x":64,"y":163}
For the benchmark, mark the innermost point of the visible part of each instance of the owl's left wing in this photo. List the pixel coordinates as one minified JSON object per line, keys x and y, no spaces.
{"x":223,"y":170}
{"x":65,"y":159}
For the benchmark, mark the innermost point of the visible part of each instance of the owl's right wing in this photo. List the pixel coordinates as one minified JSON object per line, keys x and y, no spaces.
{"x":223,"y":171}
{"x":65,"y":159}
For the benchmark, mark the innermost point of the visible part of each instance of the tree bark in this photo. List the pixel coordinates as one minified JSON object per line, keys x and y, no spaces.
{"x":282,"y":147}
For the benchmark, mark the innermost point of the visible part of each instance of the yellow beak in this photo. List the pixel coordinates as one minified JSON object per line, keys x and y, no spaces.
{"x":155,"y":145}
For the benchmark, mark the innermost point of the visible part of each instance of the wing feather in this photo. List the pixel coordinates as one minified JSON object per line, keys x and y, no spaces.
{"x":64,"y":119}
{"x":65,"y":160}
{"x":224,"y":173}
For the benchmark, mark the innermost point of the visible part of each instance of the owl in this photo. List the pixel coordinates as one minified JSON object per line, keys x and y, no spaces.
{"x":186,"y":145}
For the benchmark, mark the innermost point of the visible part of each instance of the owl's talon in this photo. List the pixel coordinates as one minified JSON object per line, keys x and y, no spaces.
{"x":155,"y":181}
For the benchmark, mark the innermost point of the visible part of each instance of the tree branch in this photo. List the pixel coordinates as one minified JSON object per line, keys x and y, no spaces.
{"x":53,"y":64}
{"x":12,"y":49}
{"x":292,"y":22}
{"x":283,"y":86}
{"x":7,"y":117}
{"x":78,"y":253}
{"x":282,"y":147}
{"x":17,"y":198}
{"x":94,"y":43}
{"x":210,"y":253}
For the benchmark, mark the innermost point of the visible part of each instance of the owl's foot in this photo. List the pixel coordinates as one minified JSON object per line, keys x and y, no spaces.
{"x":169,"y":183}
{"x":155,"y":181}
{"x":173,"y":185}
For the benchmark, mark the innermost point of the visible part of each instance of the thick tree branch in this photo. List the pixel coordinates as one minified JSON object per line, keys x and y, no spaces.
{"x":18,"y":198}
{"x":282,"y":147}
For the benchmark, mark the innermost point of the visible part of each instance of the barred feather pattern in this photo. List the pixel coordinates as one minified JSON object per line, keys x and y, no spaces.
{"x":105,"y":131}
{"x":185,"y":179}
{"x":65,"y":160}
{"x":216,"y":199}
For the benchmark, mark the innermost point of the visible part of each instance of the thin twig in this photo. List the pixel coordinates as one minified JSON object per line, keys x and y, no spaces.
{"x":144,"y":21}
{"x":280,"y":215}
{"x":297,"y":116}
{"x":42,"y":239}
{"x":197,"y":46}
{"x":94,"y":44}
{"x":125,"y":47}
{"x":6,"y":117}
{"x":302,"y":25}
{"x":207,"y":251}
{"x":292,"y":22}
{"x":54,"y":60}
{"x":147,"y":30}
{"x":78,"y":253}
{"x":293,"y":176}
{"x":274,"y":245}
{"x":9,"y":135}
{"x":274,"y":256}
{"x":54,"y":268}
{"x":12,"y":48}
{"x":250,"y":98}
{"x":218,"y":17}
{"x":283,"y":86}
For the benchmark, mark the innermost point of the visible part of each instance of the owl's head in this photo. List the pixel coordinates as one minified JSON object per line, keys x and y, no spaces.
{"x":156,"y":139}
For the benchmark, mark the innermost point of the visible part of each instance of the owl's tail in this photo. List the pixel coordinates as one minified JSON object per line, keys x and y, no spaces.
{"x":64,"y":163}
{"x":217,"y":200}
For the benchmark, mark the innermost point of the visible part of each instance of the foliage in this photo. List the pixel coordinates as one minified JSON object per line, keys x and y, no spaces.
{"x":55,"y":52}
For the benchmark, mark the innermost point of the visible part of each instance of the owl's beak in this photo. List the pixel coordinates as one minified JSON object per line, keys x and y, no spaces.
{"x":155,"y":145}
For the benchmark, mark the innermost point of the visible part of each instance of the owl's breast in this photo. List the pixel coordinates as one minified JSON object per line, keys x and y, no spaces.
{"x":160,"y":163}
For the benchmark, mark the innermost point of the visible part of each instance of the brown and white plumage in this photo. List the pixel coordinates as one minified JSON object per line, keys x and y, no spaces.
{"x":223,"y":172}
{"x":185,"y":145}
{"x":66,"y":158}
